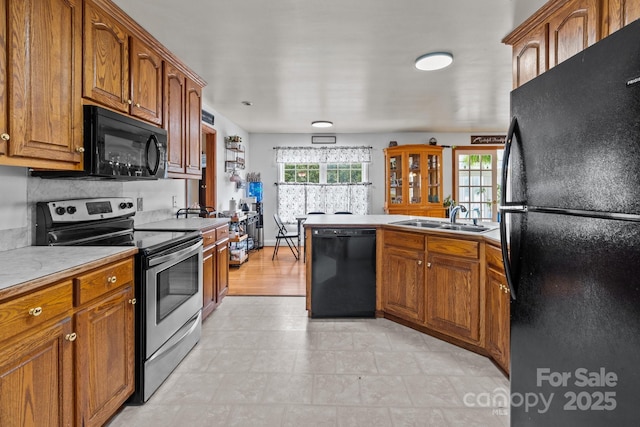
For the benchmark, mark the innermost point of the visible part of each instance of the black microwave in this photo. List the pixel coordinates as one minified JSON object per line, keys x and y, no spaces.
{"x":118,"y":147}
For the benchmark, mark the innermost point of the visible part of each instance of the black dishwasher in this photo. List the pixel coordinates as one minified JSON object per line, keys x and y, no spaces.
{"x":343,"y":279}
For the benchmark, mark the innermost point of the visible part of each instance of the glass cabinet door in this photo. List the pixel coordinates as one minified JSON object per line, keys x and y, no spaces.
{"x":395,"y":179}
{"x":415,"y":178}
{"x":433,"y":178}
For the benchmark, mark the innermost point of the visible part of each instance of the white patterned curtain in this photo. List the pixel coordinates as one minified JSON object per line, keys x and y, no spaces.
{"x":296,"y":199}
{"x":323,"y":155}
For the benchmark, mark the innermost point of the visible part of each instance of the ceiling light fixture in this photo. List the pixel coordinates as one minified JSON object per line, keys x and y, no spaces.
{"x":322,"y":124}
{"x":434,"y":61}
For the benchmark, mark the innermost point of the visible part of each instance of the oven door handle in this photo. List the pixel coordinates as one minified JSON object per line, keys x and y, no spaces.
{"x":175,"y":256}
{"x":174,"y":341}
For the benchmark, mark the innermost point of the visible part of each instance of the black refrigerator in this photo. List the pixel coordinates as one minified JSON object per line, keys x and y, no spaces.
{"x":571,"y":223}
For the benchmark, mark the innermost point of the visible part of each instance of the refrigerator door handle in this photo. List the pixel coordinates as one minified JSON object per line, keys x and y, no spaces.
{"x":507,"y":207}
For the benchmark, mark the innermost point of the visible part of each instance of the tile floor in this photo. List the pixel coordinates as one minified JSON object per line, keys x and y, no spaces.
{"x":262,"y":362}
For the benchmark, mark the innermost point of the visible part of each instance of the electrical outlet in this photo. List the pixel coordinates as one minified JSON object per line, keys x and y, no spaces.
{"x":139,"y":204}
{"x":174,"y":201}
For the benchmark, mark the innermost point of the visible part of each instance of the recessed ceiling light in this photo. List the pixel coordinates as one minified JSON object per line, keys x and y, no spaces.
{"x":322,"y":124}
{"x":247,"y":103}
{"x":434,"y":61}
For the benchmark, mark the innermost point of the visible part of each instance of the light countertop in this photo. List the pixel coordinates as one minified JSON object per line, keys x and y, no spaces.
{"x":183,"y":224}
{"x":320,"y":221}
{"x":23,"y":265}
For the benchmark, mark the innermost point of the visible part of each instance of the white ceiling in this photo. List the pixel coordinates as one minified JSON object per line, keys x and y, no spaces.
{"x":347,"y":61}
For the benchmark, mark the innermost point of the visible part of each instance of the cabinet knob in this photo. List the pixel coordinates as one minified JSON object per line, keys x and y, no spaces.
{"x":5,"y":136}
{"x":428,"y":265}
{"x":129,"y":102}
{"x":419,"y":262}
{"x":80,"y":149}
{"x":137,"y":105}
{"x":112,"y":279}
{"x":133,"y":301}
{"x":71,"y":337}
{"x":35,"y":312}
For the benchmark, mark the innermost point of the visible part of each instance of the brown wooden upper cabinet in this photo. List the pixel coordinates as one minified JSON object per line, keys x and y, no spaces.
{"x":561,"y":29}
{"x":120,"y":71}
{"x":40,"y":64}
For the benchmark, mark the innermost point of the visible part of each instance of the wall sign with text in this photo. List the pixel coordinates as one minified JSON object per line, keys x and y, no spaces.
{"x":488,"y":139}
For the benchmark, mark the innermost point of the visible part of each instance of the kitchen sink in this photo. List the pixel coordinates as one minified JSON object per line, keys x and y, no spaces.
{"x":439,"y":225}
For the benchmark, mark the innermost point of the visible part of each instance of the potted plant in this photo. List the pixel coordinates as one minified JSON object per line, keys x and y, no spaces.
{"x":448,"y":203}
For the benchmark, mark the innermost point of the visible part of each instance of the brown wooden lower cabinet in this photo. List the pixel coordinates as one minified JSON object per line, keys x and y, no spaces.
{"x":215,"y":264}
{"x":36,"y":378}
{"x":447,"y":286}
{"x":76,"y":367}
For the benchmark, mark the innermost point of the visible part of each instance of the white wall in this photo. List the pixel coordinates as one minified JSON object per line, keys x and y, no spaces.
{"x":226,"y":189}
{"x":262,"y":156}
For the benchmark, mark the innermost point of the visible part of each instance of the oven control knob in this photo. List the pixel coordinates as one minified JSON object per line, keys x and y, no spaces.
{"x":123,"y":205}
{"x":71,"y":210}
{"x":60,"y":210}
{"x":129,"y":205}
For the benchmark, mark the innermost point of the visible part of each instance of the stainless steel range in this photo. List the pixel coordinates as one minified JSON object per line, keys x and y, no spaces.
{"x":168,"y":278}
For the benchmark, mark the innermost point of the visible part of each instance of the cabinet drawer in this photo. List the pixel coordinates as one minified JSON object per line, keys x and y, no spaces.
{"x":103,"y":280}
{"x":31,"y":310}
{"x":454,"y":247}
{"x":222,"y":233}
{"x":494,"y":257}
{"x":404,"y":240}
{"x":208,"y":238}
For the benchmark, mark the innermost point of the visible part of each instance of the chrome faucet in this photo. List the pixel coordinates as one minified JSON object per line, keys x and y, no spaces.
{"x":454,"y":213}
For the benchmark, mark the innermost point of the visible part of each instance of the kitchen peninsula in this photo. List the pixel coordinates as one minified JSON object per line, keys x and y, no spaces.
{"x":441,"y":279}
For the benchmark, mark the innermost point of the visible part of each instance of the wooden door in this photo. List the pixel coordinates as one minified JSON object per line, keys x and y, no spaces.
{"x":573,"y":28}
{"x":36,"y":378}
{"x":146,"y":82}
{"x":453,"y":296}
{"x":498,"y":319}
{"x":106,"y":59}
{"x":530,"y":56}
{"x":223,"y":270}
{"x":403,"y":283}
{"x":174,"y":116}
{"x":104,"y":357}
{"x":193,"y":127}
{"x":45,"y":115}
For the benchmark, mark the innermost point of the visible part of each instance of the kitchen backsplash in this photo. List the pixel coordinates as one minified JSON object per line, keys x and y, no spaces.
{"x":22,"y":192}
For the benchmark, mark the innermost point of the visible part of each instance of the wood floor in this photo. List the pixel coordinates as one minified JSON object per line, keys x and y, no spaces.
{"x":261,"y":276}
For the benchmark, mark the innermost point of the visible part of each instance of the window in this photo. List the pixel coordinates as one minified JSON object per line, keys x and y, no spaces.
{"x":322,"y":179}
{"x":477,"y":181}
{"x":301,"y":172}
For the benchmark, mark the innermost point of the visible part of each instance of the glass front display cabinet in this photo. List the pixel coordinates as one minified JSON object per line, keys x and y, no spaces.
{"x":413,"y":180}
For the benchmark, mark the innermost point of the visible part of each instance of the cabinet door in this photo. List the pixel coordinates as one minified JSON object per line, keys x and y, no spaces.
{"x":209,"y":278}
{"x":36,"y":378}
{"x":45,"y":82}
{"x":453,"y":296}
{"x":106,"y":59}
{"x":193,"y":120}
{"x":395,"y":174}
{"x":4,"y":113}
{"x":174,"y":110}
{"x":498,"y":321}
{"x":573,"y":28}
{"x":146,"y":82}
{"x":223,"y":270}
{"x":104,"y":357}
{"x":530,"y":56}
{"x":403,"y":283}
{"x":622,"y":12}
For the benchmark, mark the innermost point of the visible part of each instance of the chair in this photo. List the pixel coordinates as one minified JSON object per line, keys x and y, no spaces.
{"x":343,"y":213}
{"x":285,"y":235}
{"x":304,"y":245}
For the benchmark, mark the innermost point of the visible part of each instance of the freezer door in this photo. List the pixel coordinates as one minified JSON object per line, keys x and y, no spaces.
{"x":575,"y":322}
{"x":578,"y":145}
